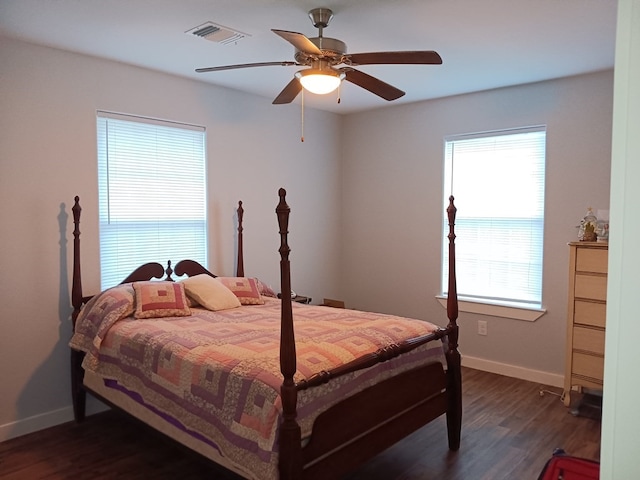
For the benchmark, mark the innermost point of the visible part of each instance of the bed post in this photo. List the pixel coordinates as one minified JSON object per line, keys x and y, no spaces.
{"x":76,"y":286}
{"x":290,"y":450}
{"x":78,"y":394}
{"x":240,"y":265}
{"x":454,"y":374}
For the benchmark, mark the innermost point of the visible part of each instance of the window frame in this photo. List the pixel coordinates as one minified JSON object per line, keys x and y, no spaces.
{"x":521,"y":310}
{"x":152,"y":154}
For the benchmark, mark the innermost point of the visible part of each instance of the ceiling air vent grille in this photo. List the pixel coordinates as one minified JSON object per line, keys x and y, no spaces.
{"x":217,"y":33}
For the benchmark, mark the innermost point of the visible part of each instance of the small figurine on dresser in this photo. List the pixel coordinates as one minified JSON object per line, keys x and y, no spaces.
{"x":587,"y":230}
{"x":603,"y":231}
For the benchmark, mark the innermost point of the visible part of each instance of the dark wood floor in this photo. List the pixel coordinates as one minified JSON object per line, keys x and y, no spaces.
{"x":509,"y":431}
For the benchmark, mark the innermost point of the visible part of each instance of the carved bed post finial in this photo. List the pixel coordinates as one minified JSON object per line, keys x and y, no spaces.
{"x":240,"y":265}
{"x":168,"y":271}
{"x":76,"y":287}
{"x":290,"y":466}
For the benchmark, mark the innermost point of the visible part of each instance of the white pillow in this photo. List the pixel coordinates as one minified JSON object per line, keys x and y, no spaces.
{"x":210,"y":293}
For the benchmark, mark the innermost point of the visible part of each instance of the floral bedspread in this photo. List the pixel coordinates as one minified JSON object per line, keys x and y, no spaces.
{"x":218,"y":373}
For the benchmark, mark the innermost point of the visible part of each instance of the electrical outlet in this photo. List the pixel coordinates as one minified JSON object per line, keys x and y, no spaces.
{"x":482,"y":327}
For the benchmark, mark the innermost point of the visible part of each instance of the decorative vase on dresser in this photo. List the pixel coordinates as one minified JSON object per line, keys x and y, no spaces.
{"x":586,"y":319}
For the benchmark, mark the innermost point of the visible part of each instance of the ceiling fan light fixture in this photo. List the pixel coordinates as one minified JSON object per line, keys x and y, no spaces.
{"x":319,"y":81}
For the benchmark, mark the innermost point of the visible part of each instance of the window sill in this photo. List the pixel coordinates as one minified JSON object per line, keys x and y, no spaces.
{"x":496,"y":310}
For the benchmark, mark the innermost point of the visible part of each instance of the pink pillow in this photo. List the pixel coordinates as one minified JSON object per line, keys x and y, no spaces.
{"x":246,"y":289}
{"x":265,"y":290}
{"x":160,"y":299}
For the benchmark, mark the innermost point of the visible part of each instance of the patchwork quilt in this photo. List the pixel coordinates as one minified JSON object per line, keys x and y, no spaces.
{"x":217,"y":374}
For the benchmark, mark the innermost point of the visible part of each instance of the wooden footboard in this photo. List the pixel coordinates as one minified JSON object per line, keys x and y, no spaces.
{"x":371,"y":421}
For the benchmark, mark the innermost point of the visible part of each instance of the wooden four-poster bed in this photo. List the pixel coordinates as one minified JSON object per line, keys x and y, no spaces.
{"x":300,"y":392}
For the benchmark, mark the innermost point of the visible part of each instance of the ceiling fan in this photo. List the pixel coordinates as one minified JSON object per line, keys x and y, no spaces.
{"x":330,"y":63}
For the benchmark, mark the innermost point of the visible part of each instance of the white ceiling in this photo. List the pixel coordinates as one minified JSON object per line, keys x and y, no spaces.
{"x":484,"y":43}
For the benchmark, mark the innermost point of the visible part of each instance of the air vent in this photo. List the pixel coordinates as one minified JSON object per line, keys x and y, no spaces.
{"x":217,"y":33}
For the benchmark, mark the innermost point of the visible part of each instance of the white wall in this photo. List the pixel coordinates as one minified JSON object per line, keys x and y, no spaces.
{"x":365,"y":192}
{"x":393,"y":171}
{"x":620,"y":423}
{"x":48,"y":103}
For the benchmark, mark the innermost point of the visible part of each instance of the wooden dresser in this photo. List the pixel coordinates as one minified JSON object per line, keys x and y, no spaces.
{"x":586,"y":318}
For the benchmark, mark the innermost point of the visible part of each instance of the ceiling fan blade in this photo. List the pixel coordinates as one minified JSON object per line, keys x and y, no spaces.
{"x":245,"y":65}
{"x":288,"y":93}
{"x":375,"y":86}
{"x":416,"y":57}
{"x":299,"y":41}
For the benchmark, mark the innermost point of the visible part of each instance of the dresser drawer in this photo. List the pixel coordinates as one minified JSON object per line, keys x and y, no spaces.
{"x":586,"y":382}
{"x":592,"y":260}
{"x":591,"y":287}
{"x":587,"y":365}
{"x":588,"y":340}
{"x":590,"y":313}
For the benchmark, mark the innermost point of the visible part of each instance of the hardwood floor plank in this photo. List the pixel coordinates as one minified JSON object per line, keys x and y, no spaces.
{"x":509,"y":431}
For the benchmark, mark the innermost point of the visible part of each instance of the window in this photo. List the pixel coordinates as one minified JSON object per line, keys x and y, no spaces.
{"x":152,"y":193}
{"x":497,"y":179}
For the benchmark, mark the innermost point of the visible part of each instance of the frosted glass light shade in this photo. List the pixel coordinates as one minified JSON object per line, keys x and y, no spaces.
{"x":319,"y":81}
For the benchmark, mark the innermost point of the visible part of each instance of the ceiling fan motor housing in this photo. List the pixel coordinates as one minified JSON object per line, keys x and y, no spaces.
{"x":320,"y":17}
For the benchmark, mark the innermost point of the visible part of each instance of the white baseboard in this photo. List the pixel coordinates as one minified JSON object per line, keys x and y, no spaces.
{"x":537,"y":376}
{"x":35,"y":423}
{"x":45,"y":420}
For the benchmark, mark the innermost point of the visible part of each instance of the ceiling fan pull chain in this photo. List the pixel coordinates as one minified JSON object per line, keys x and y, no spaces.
{"x":302,"y":117}
{"x":339,"y":92}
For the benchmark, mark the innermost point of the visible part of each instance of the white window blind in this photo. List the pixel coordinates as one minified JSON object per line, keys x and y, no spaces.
{"x":497,"y":179}
{"x":152,"y":194}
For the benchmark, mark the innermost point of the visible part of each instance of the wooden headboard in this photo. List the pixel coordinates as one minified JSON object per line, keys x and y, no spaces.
{"x":147,"y":271}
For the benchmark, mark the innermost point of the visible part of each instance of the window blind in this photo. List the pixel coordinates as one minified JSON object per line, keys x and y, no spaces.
{"x":497,"y":179}
{"x":152,"y":193}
